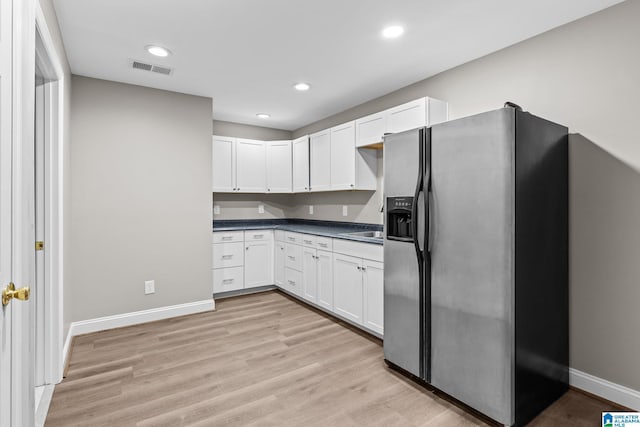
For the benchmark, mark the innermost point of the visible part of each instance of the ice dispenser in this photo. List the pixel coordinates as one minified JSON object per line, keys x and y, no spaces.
{"x":399,"y":226}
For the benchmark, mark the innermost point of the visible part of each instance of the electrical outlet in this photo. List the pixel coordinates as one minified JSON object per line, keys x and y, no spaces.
{"x":149,"y":287}
{"x":345,"y":210}
{"x":310,"y":209}
{"x":260,"y":208}
{"x":216,"y":209}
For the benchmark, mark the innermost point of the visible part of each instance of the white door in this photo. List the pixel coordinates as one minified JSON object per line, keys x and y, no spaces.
{"x":5,"y":209}
{"x":320,"y":161}
{"x":347,"y":287}
{"x":251,"y":162}
{"x":309,"y":268}
{"x":17,"y":210}
{"x":343,"y":157}
{"x":258,"y":264}
{"x":279,"y":167}
{"x":373,"y":283}
{"x":324,"y":279}
{"x":224,"y":164}
{"x":300,"y":149}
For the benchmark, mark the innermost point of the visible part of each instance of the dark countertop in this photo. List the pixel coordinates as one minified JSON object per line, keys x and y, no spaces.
{"x":334,"y":229}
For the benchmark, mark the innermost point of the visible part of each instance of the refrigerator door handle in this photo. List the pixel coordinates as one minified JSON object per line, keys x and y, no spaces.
{"x":414,"y":213}
{"x":429,"y":233}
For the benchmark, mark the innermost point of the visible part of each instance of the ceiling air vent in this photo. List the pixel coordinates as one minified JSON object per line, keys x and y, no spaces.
{"x":139,"y":65}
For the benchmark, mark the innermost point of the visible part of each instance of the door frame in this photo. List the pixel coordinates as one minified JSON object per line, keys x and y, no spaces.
{"x":51,"y":66}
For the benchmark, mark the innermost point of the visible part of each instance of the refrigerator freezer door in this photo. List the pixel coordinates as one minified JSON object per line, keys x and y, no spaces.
{"x":472,"y":275}
{"x":402,"y":293}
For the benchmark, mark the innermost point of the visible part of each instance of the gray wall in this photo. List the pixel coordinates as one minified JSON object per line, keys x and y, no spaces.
{"x":141,"y":198}
{"x":54,"y":30}
{"x":240,"y":130}
{"x":584,"y":75}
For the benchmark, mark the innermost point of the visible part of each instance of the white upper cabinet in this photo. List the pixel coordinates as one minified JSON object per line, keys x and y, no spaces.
{"x":251,"y":163}
{"x":224,"y":164}
{"x":407,"y":116}
{"x":370,"y":129}
{"x":343,"y":157}
{"x":279,"y":167}
{"x":320,"y":161}
{"x":300,"y":149}
{"x":411,"y":115}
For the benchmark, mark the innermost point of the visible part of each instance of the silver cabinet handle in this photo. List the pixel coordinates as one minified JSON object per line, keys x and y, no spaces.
{"x":227,"y":256}
{"x":291,"y":257}
{"x":281,"y":248}
{"x":308,"y":242}
{"x":293,"y":239}
{"x":258,"y":236}
{"x":324,"y":245}
{"x":291,"y":282}
{"x":359,"y":268}
{"x":228,"y":280}
{"x":227,"y":237}
{"x":364,"y":268}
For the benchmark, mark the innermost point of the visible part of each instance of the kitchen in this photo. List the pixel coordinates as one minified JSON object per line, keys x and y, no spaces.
{"x":572,"y":75}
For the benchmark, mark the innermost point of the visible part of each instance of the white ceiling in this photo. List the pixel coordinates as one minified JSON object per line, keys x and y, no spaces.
{"x":247,"y":54}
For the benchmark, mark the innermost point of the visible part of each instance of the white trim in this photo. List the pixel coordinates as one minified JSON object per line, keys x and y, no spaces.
{"x":616,"y":393}
{"x":49,"y":59}
{"x":127,"y":319}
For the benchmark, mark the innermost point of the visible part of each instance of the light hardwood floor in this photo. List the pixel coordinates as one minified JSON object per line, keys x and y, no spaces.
{"x":259,"y":360}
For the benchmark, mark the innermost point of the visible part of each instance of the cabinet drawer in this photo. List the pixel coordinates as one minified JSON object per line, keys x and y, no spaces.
{"x":228,"y":255}
{"x":291,"y":237}
{"x":358,"y":249}
{"x":324,"y":243}
{"x":228,"y":236}
{"x":293,"y":256}
{"x":227,"y":279}
{"x":258,"y":235}
{"x":308,"y":240}
{"x":293,"y":281}
{"x":280,"y":235}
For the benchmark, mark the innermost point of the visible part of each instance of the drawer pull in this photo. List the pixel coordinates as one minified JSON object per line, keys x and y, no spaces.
{"x":228,"y":280}
{"x":291,"y":282}
{"x":227,"y":237}
{"x":258,"y":236}
{"x":324,"y":245}
{"x":291,"y":257}
{"x":293,"y":239}
{"x":308,"y":242}
{"x":227,"y":256}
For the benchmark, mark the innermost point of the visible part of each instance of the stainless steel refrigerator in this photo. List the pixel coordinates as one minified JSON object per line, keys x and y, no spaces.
{"x":475,"y":260}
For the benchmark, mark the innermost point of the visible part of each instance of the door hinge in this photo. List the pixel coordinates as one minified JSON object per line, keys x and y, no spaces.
{"x":39,"y":246}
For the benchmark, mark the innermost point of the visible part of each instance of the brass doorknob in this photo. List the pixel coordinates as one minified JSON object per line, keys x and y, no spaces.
{"x":10,"y":292}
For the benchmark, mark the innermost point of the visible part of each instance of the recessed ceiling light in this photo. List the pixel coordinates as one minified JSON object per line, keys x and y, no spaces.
{"x":393,"y":31}
{"x":158,"y":50}
{"x":302,"y":86}
{"x":263,"y":115}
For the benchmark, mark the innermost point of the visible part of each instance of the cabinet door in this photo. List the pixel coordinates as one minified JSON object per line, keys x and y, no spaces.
{"x":278,"y":274}
{"x":251,"y":166}
{"x":309,"y":274}
{"x":258,"y":264}
{"x":343,"y":157}
{"x":407,"y":116}
{"x":224,"y":164}
{"x":227,"y":279}
{"x":279,"y":167}
{"x":373,"y":281}
{"x":320,"y":161}
{"x":347,"y":287}
{"x":293,"y":281}
{"x":324,"y":279}
{"x":300,"y":149}
{"x":371,"y":129}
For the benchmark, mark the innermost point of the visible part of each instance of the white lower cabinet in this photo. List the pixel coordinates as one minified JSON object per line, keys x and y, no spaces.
{"x":227,"y":279}
{"x":347,"y":287}
{"x":324,"y":279}
{"x":309,"y":274}
{"x":373,"y":286}
{"x":278,"y":271}
{"x":258,"y":264}
{"x":293,"y":281}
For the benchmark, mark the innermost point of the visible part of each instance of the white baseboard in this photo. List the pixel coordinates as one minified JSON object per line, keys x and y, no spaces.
{"x":606,"y":389}
{"x":134,"y":318}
